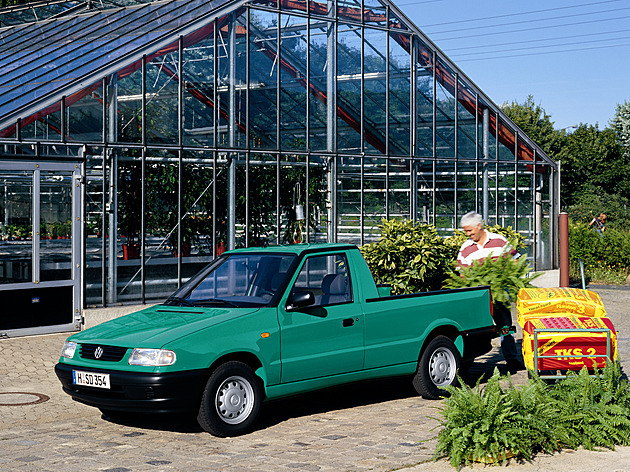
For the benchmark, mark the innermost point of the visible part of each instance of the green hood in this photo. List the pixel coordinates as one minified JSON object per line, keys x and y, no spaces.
{"x":156,"y":326}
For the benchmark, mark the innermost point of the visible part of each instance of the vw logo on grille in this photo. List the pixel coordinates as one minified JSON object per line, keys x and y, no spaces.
{"x":98,"y":352}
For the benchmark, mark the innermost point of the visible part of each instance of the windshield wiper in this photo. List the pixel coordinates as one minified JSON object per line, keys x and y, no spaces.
{"x":178,"y":301}
{"x":211,"y":301}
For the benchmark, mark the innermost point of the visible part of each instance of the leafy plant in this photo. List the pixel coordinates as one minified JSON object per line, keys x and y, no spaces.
{"x":594,"y":411}
{"x":410,"y":257}
{"x":493,"y":423}
{"x":505,"y":276}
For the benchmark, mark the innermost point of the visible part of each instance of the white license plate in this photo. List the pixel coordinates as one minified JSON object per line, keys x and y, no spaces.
{"x":90,"y":379}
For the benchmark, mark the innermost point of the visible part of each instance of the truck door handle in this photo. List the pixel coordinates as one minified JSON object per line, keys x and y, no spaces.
{"x":348,"y":322}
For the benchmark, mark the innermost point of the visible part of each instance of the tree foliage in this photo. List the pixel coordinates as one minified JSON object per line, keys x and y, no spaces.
{"x":621,"y":125}
{"x":593,"y":164}
{"x":536,"y":123}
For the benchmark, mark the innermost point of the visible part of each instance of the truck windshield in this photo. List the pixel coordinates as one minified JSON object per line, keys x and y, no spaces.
{"x":240,"y":280}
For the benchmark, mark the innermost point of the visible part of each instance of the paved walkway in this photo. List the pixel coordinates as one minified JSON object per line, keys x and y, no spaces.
{"x":377,"y":425}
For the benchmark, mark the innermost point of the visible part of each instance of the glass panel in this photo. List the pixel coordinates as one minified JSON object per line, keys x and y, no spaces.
{"x":375,"y":83}
{"x":198,"y":76}
{"x":506,"y":142}
{"x":318,"y":197}
{"x":544,"y":205}
{"x":526,"y":207}
{"x":395,"y":22}
{"x":94,"y":228}
{"x":349,"y":10}
{"x":399,"y":94}
{"x":374,"y":12}
{"x":374,"y":189}
{"x":466,"y":188}
{"x":129,"y":116}
{"x":466,"y":123}
{"x":55,"y":209}
{"x":506,"y":195}
{"x":240,"y":80}
{"x":16,"y":230}
{"x":424,"y":100}
{"x":445,"y":114}
{"x":198,"y":207}
{"x":162,"y":88}
{"x":45,"y":125}
{"x":319,"y":83}
{"x":85,"y":115}
{"x":263,"y":70}
{"x":349,"y":200}
{"x":399,"y":188}
{"x":295,"y":5}
{"x":424,"y":201}
{"x":293,"y":176}
{"x":162,"y":197}
{"x":129,"y":218}
{"x":349,"y":88}
{"x":262,"y":211}
{"x":292,"y":84}
{"x":445,"y":218}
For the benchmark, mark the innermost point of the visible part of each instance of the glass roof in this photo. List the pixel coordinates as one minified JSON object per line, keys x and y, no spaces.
{"x":34,"y":62}
{"x":39,"y":11}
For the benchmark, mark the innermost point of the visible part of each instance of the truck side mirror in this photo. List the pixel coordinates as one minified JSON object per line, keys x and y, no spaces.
{"x":300,"y":300}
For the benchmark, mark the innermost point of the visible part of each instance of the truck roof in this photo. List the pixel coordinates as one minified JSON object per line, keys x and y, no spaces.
{"x":297,"y":248}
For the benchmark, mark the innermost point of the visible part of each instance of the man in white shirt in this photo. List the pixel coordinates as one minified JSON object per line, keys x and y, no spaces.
{"x":483,"y":244}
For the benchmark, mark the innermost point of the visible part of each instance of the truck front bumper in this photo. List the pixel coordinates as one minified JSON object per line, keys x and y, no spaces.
{"x":138,"y":392}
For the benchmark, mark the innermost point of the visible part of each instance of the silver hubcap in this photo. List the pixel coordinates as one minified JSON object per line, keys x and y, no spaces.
{"x":442,"y":367}
{"x":235,"y":400}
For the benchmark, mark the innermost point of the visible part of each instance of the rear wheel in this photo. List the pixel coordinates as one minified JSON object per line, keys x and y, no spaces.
{"x":437,"y":368}
{"x":231,"y":401}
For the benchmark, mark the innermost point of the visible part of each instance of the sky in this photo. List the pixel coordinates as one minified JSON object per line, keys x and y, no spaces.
{"x":572,"y":56}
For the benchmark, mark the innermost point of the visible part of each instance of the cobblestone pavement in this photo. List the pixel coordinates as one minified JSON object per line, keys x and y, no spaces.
{"x":377,"y":425}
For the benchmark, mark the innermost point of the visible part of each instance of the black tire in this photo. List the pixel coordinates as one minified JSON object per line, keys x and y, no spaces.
{"x":437,"y":368}
{"x":231,"y":400}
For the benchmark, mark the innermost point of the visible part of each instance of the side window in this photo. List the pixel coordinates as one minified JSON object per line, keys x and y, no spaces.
{"x":327,"y":277}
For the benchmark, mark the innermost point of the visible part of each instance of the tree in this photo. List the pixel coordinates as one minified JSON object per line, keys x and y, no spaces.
{"x":537,"y":124}
{"x":621,"y":125}
{"x":593,"y":165}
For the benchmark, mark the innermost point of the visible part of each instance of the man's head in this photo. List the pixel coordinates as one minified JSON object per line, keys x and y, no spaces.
{"x":472,"y":224}
{"x":602,"y":216}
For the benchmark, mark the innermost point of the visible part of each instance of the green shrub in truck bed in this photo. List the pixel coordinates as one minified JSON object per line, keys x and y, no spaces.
{"x":263,"y":323}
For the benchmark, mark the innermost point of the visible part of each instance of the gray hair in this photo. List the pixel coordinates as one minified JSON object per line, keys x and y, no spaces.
{"x":471,"y":218}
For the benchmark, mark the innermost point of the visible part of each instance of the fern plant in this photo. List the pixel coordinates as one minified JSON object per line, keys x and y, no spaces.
{"x":594,"y":411}
{"x":489,"y":424}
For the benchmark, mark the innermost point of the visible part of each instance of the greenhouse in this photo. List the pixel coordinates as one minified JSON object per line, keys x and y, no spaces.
{"x":139,"y":140}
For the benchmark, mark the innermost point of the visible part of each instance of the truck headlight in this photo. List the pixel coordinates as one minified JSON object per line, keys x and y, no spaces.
{"x":151,"y":357}
{"x":68,"y":349}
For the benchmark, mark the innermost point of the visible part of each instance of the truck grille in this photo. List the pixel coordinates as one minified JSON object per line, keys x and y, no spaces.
{"x":102,"y":353}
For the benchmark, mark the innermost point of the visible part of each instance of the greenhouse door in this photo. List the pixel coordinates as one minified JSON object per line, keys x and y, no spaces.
{"x":40,"y":249}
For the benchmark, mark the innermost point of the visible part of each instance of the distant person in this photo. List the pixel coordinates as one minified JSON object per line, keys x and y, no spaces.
{"x":482,"y":244}
{"x":599,"y":223}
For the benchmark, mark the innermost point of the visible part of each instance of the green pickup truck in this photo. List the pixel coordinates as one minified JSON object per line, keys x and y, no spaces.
{"x":263,"y":323}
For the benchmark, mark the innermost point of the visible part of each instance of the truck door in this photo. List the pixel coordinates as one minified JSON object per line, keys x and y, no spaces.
{"x":326,"y":338}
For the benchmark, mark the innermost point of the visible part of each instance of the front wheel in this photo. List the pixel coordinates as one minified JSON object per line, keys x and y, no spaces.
{"x":231,"y":401}
{"x":437,"y":368}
